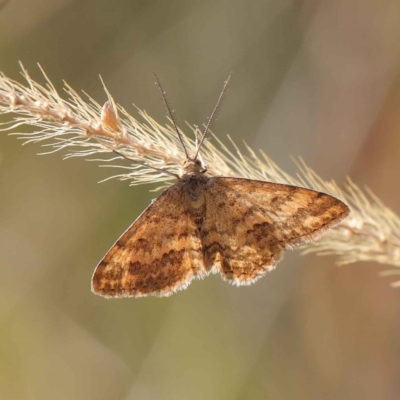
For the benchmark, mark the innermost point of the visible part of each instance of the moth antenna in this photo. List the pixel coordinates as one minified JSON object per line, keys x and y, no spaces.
{"x":212,"y":115}
{"x":170,"y":114}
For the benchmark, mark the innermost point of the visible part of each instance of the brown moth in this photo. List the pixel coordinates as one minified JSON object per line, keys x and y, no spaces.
{"x":201,"y":225}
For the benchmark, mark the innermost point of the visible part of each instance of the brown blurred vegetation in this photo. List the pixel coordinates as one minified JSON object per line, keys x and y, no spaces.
{"x":318,"y":79}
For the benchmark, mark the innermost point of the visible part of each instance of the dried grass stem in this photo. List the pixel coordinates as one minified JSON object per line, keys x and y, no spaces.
{"x":85,"y":129}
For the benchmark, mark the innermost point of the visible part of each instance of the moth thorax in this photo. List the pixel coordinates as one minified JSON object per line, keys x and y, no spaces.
{"x":191,"y":166}
{"x":193,"y":188}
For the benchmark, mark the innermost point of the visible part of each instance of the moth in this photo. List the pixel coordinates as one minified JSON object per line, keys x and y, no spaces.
{"x":204,"y":224}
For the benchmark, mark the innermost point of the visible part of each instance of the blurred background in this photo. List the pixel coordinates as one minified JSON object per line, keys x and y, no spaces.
{"x":318,"y":79}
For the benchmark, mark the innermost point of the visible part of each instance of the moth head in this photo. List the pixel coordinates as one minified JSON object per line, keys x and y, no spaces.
{"x":192,"y":166}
